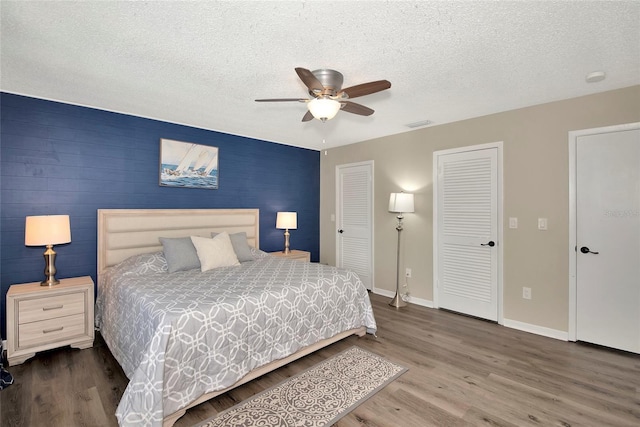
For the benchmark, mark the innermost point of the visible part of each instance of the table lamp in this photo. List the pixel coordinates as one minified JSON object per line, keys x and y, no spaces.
{"x":286,"y":221}
{"x":47,"y":230}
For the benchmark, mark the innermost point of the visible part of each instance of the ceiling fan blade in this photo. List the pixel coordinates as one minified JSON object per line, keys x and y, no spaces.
{"x":282,"y":100}
{"x":307,"y":117}
{"x":309,"y":79}
{"x":352,"y":107}
{"x":366,"y":88}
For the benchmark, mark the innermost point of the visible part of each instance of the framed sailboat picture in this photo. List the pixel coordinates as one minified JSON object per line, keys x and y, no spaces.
{"x":188,"y":165}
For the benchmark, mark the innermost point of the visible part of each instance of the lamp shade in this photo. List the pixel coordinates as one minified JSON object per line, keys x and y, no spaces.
{"x":323,"y":108}
{"x":401,"y":202}
{"x":287,"y":220}
{"x":47,"y":230}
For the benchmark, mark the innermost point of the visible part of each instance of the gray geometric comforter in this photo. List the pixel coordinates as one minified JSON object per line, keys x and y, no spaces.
{"x":180,"y":335}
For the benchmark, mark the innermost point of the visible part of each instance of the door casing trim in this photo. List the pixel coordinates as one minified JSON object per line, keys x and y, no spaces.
{"x":573,"y":237}
{"x":498,"y":145}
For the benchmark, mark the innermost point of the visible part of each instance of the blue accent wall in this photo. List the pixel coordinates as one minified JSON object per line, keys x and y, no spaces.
{"x":57,"y":158}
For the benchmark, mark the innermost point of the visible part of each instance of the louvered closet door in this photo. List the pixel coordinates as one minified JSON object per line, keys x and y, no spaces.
{"x":354,"y":219}
{"x":467,"y":215}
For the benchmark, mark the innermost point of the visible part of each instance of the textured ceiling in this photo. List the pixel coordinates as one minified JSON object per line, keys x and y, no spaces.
{"x":203,"y":63}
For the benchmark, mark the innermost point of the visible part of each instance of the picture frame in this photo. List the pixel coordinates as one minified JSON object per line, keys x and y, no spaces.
{"x":188,"y":165}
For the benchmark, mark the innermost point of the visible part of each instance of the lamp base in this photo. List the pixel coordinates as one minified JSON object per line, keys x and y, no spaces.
{"x":49,"y":281}
{"x":286,"y":242}
{"x":49,"y":267}
{"x":397,"y":302}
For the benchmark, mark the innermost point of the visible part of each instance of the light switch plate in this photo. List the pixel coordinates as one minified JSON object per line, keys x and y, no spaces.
{"x":513,"y":222}
{"x":542,"y":223}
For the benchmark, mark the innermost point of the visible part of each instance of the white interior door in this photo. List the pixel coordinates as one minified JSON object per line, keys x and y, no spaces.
{"x":608,"y":239}
{"x":466,"y":250}
{"x":354,"y":209}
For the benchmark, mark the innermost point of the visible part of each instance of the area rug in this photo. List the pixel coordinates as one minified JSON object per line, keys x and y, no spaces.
{"x":317,"y":397}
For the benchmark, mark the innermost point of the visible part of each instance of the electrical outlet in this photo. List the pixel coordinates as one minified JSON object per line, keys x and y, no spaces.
{"x":407,"y":272}
{"x":526,"y":293}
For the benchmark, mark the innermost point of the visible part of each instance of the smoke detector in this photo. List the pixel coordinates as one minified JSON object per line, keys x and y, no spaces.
{"x":595,"y":76}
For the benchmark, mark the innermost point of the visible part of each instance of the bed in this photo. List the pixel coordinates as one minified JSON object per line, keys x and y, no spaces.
{"x":187,"y":336}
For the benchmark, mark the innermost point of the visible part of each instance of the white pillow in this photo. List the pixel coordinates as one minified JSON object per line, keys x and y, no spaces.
{"x":216,"y":252}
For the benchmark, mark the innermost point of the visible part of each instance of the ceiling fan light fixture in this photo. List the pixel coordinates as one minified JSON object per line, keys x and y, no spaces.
{"x":323,"y":109}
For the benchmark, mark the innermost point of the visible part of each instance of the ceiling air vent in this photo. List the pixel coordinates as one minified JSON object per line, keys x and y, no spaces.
{"x":418,"y":124}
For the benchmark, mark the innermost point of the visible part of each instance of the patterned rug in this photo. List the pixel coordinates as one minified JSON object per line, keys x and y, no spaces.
{"x":317,"y":397}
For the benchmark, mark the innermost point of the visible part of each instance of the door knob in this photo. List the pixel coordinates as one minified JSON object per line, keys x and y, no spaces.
{"x":341,"y":231}
{"x":585,"y":250}
{"x":491,"y":244}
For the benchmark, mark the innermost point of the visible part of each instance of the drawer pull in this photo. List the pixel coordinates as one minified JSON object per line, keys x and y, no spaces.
{"x":55,"y":307}
{"x":46,"y":331}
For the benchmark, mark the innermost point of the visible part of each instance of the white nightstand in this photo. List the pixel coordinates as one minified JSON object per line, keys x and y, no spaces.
{"x":295,"y":254}
{"x":45,"y":317}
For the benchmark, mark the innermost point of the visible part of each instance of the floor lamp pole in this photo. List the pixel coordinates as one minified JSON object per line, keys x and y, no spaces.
{"x":397,"y":301}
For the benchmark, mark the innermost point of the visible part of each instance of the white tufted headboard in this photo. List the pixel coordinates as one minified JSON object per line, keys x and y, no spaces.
{"x":126,"y":232}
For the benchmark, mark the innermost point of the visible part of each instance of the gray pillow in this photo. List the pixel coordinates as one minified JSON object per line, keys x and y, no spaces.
{"x":240,"y":246}
{"x":180,"y":253}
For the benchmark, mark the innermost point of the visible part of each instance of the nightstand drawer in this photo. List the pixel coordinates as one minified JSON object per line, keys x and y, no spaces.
{"x":34,"y":310}
{"x":45,"y":331}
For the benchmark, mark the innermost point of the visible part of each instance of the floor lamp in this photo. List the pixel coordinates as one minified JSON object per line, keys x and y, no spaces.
{"x":399,"y":203}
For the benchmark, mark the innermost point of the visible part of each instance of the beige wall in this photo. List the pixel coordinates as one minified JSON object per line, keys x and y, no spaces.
{"x":536,"y":184}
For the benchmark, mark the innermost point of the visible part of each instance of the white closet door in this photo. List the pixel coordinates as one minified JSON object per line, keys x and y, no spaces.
{"x":354,"y":219}
{"x":608,"y":239}
{"x":467,"y":221}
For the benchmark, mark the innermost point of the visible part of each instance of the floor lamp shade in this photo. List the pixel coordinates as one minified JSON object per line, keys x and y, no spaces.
{"x":286,"y":221}
{"x":47,"y":230}
{"x":401,"y":202}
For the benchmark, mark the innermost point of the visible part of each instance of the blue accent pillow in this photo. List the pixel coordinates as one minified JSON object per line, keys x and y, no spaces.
{"x":240,"y":246}
{"x":180,"y":253}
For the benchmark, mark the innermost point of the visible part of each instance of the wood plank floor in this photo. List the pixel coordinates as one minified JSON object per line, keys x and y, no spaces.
{"x":462,"y":372}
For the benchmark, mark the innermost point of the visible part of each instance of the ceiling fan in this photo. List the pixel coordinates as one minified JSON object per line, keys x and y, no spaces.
{"x":328,"y":97}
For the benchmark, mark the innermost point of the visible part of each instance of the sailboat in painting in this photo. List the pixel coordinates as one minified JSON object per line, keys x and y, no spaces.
{"x":213,"y":164}
{"x":188,"y":165}
{"x":202,"y":160}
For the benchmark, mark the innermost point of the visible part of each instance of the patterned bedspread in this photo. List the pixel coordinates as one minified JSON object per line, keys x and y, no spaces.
{"x":180,"y":335}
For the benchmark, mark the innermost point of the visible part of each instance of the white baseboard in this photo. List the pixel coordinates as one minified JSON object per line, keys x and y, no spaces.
{"x":513,"y":324}
{"x":412,"y":300}
{"x":383,"y":292}
{"x":419,"y":301}
{"x":535,"y":329}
